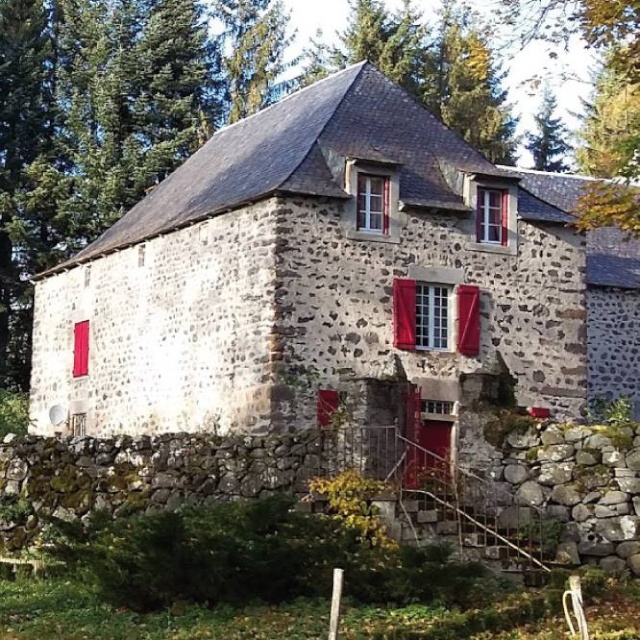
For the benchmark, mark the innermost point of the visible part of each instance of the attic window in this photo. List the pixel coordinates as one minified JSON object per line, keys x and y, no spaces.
{"x":373,"y":203}
{"x":492,"y":216}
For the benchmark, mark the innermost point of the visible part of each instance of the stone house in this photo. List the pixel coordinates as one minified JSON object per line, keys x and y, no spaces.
{"x":328,"y":250}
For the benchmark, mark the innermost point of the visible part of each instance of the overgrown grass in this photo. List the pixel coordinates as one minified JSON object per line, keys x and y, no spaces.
{"x":46,"y":609}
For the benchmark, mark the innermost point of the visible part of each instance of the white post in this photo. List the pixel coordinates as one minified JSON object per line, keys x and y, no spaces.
{"x":575,"y":595}
{"x":336,"y":597}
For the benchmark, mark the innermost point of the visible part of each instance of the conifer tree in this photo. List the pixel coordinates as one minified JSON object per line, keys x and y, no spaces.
{"x":394,"y":42}
{"x":548,"y":144}
{"x":254,"y":42}
{"x":464,"y":86}
{"x":25,"y":52}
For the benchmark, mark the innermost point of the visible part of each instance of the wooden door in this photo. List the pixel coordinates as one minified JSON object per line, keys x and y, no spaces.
{"x":435,"y":437}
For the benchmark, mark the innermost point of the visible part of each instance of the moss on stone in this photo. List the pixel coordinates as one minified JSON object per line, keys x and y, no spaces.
{"x":506,"y":422}
{"x":592,"y":477}
{"x":621,"y":440}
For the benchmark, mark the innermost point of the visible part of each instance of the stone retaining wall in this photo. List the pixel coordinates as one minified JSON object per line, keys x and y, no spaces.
{"x":68,"y":478}
{"x":589,"y":478}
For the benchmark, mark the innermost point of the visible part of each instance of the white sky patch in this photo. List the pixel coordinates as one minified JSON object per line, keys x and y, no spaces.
{"x":568,"y":72}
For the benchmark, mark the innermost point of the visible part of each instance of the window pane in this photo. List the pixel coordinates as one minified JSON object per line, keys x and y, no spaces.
{"x":376,"y":221}
{"x":495,"y":233}
{"x":377,"y":186}
{"x":495,"y":199}
{"x":376,"y":204}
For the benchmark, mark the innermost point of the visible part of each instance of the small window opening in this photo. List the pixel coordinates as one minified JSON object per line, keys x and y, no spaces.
{"x":79,"y":425}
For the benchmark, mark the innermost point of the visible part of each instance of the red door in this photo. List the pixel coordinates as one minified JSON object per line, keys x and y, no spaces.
{"x":434,"y":436}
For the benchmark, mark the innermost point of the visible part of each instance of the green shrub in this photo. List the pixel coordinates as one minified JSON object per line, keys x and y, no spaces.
{"x":263,"y":550}
{"x":14,"y":412}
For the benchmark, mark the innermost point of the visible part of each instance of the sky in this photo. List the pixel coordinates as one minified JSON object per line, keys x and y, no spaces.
{"x":568,"y":73}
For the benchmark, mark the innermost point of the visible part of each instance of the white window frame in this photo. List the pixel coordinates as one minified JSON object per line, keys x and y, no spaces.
{"x":486,"y":208}
{"x":368,"y":211}
{"x":431,"y":340}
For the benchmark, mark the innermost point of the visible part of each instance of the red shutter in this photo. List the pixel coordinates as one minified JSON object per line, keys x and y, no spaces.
{"x":479,"y":214}
{"x":385,"y":214}
{"x":81,"y":348}
{"x":327,"y":404}
{"x":505,"y":218}
{"x":468,"y":319}
{"x":404,"y":314}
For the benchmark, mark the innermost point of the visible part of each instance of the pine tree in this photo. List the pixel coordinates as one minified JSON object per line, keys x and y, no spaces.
{"x":25,"y":57}
{"x":464,"y":86}
{"x":394,"y":42}
{"x":255,"y":42}
{"x":548,"y":144}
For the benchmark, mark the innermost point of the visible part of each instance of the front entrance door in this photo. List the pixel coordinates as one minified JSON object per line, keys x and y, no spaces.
{"x":435,"y":437}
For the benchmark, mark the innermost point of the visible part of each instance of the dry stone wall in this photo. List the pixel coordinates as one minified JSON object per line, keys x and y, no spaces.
{"x":179,"y":332}
{"x":585,"y":476}
{"x":70,"y":477}
{"x":614,"y":343}
{"x":334,"y":303}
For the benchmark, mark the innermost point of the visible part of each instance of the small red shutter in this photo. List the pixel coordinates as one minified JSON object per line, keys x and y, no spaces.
{"x":327,"y":404}
{"x":385,"y":214}
{"x":479,"y":215}
{"x":468,"y":319}
{"x":81,"y":348}
{"x":404,"y":314}
{"x":505,"y":218}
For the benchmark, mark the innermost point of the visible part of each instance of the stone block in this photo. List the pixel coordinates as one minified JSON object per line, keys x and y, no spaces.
{"x":565,"y":495}
{"x":516,"y":474}
{"x":595,"y":548}
{"x":628,"y":549}
{"x":633,"y":460}
{"x":526,"y":440}
{"x":531,"y":493}
{"x":427,"y":517}
{"x":555,"y":473}
{"x":447,"y":528}
{"x":613,"y":565}
{"x":581,"y":512}
{"x":630,"y":485}
{"x":587,"y":458}
{"x":552,"y":435}
{"x":556,"y":452}
{"x":602,"y":511}
{"x":634,"y":564}
{"x":576,"y":434}
{"x":618,"y":529}
{"x":613,"y":497}
{"x":567,"y":553}
{"x":613,"y":458}
{"x":410,"y":506}
{"x":558,"y":512}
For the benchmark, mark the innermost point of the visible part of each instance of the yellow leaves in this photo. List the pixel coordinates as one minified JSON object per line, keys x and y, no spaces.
{"x":607,"y":203}
{"x":349,"y":495}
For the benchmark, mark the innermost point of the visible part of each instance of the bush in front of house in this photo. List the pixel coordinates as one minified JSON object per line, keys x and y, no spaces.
{"x":242,"y":552}
{"x":14,"y":412}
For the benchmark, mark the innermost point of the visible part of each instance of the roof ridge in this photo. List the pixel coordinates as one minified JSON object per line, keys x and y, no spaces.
{"x":578,"y":176}
{"x":362,"y":64}
{"x":285,"y":98}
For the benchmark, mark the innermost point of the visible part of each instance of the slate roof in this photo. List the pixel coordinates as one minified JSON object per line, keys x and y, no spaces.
{"x":613,"y":259}
{"x":356,"y":113}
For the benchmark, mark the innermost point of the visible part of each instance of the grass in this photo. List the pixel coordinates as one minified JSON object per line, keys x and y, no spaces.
{"x":49,"y":609}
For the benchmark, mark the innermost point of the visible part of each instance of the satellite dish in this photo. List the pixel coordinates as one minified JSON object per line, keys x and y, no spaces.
{"x":57,"y":414}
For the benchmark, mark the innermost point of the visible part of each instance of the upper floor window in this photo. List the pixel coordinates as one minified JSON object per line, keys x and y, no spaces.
{"x":492,"y":216}
{"x":373,"y":203}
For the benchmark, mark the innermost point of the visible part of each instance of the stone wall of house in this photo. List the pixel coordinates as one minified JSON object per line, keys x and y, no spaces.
{"x":588,"y":478}
{"x":334,"y":304}
{"x":613,"y":338}
{"x":180,"y":331}
{"x":69,"y":477}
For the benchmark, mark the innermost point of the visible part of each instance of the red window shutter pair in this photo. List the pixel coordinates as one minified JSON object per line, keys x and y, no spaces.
{"x":404,"y":316}
{"x":81,"y":349}
{"x":328,"y":401}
